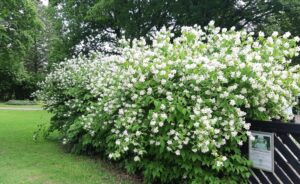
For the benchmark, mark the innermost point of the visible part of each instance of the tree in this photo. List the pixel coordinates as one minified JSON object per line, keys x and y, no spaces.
{"x":94,"y":24}
{"x":69,"y":27}
{"x":18,"y":23}
{"x":36,"y":59}
{"x":17,"y":30}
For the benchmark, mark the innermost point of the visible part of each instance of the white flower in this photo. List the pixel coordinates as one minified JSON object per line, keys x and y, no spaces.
{"x":286,"y":45}
{"x":204,"y":149}
{"x":244,"y":91}
{"x":169,"y":98}
{"x":152,"y":123}
{"x":136,"y":158}
{"x":219,"y":164}
{"x":65,"y":141}
{"x":142,"y":92}
{"x":286,"y":35}
{"x":134,"y":97}
{"x":142,"y":79}
{"x":224,"y":158}
{"x":234,"y":133}
{"x":251,"y":137}
{"x":163,"y":116}
{"x":261,"y":109}
{"x":155,"y":130}
{"x":149,"y":91}
{"x":155,"y":115}
{"x":261,"y":34}
{"x":172,"y":132}
{"x":247,"y":126}
{"x":121,"y":111}
{"x":275,"y":34}
{"x":258,"y":57}
{"x":211,"y":23}
{"x":138,"y":133}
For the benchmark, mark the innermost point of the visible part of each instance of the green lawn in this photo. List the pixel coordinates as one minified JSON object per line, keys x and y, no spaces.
{"x":23,"y":161}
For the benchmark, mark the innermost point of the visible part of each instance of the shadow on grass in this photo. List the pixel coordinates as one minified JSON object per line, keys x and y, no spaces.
{"x":113,"y":168}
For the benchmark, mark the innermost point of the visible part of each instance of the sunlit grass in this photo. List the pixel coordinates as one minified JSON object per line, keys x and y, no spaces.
{"x":23,"y":161}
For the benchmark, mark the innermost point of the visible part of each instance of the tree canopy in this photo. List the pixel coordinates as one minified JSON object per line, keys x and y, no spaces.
{"x":87,"y":25}
{"x":18,"y":24}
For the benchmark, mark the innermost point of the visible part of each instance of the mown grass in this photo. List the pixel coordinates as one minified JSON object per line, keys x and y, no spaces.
{"x":23,"y":161}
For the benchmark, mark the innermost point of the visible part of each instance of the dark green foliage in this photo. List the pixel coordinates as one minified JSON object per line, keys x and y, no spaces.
{"x":15,"y":85}
{"x":18,"y":28}
{"x":18,"y":22}
{"x":114,"y":18}
{"x":20,"y":102}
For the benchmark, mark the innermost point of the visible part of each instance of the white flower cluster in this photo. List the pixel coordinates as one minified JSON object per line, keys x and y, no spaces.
{"x":190,"y":93}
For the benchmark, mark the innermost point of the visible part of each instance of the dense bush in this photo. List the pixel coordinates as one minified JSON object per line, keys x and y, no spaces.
{"x":296,"y":109}
{"x":21,"y":102}
{"x":16,"y":85}
{"x":175,"y":110}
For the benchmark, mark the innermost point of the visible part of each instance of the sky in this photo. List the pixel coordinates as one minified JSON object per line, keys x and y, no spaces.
{"x":45,"y":2}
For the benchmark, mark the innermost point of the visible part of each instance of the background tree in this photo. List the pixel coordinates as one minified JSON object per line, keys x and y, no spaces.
{"x":18,"y":22}
{"x":98,"y":24}
{"x":36,"y":59}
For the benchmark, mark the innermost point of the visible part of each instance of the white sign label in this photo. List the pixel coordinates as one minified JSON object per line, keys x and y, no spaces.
{"x":261,"y":150}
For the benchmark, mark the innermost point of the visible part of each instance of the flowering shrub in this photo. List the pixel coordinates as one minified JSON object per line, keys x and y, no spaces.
{"x":175,"y":110}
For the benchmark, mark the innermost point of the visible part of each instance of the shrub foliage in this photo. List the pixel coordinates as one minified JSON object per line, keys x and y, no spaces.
{"x":175,"y":110}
